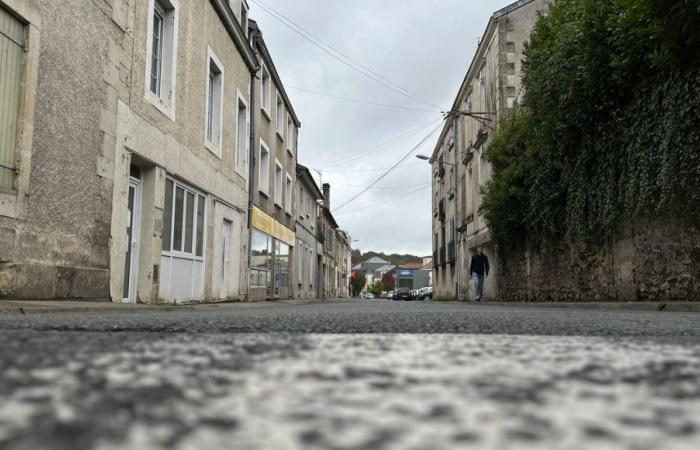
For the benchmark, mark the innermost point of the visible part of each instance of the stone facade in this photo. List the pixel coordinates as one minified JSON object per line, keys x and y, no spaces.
{"x":490,"y":90}
{"x":307,"y":264}
{"x":648,"y":261}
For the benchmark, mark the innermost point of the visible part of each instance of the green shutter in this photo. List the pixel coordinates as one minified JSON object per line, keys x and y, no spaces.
{"x":11,"y":49}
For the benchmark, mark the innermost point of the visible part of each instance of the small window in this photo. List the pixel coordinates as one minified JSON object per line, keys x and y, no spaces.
{"x":215,"y":92}
{"x":183,"y":220}
{"x":242,"y":143}
{"x":162,"y":51}
{"x":265,"y":91}
{"x":279,"y":180}
{"x":264,"y":184}
{"x":288,"y":195}
{"x":280,"y":117}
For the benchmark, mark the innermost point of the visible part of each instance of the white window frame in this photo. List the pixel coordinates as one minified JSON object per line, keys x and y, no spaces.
{"x":265,"y":80}
{"x":288,"y":190}
{"x":291,"y":128}
{"x":218,"y":126}
{"x":279,"y":117}
{"x":165,"y":102}
{"x":278,"y":192}
{"x":242,"y":160}
{"x":245,"y":14}
{"x":181,"y":253}
{"x":264,"y":177}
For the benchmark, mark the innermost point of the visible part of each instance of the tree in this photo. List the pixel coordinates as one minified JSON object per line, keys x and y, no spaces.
{"x":358,"y":282}
{"x":388,"y":281}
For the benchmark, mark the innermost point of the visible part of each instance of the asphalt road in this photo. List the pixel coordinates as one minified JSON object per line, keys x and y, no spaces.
{"x":351,"y":375}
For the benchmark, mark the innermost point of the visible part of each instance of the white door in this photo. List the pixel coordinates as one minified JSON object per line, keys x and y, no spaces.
{"x":225,"y":260}
{"x":133,"y":225}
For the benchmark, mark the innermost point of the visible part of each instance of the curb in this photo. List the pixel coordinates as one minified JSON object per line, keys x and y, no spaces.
{"x":670,"y":306}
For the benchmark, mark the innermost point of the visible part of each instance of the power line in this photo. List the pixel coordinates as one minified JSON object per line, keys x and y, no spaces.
{"x":384,"y":187}
{"x":341,"y":57}
{"x":363,"y":102}
{"x":372,"y":170}
{"x":423,"y":141}
{"x":408,"y":194}
{"x":373,"y":150}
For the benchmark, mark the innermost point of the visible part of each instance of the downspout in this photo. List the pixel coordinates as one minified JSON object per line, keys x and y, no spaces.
{"x":457,"y":151}
{"x":251,"y":156}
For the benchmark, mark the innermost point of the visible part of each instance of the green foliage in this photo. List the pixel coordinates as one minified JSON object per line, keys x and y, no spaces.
{"x":608,"y":127}
{"x":377,"y":288}
{"x":394,"y":259}
{"x":358,"y":282}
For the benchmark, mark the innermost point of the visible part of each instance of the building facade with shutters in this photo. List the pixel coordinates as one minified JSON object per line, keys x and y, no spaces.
{"x":490,"y":90}
{"x":273,"y":179}
{"x":309,"y":251}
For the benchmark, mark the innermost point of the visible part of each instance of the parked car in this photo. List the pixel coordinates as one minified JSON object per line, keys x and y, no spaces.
{"x":370,"y":297}
{"x":426,"y":292}
{"x":403,"y":294}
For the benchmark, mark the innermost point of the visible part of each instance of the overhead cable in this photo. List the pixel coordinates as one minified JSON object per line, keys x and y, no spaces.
{"x":398,"y":197}
{"x":363,"y":102}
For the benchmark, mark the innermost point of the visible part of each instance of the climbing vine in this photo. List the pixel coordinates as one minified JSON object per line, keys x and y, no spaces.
{"x":608,"y":128}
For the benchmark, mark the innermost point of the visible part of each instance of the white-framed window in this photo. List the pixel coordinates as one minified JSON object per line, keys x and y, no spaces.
{"x":279,"y":183}
{"x":244,"y":17}
{"x":161,"y":55}
{"x":290,"y":134}
{"x":300,"y":261}
{"x":264,"y":184}
{"x":214,"y":103}
{"x":280,"y":117}
{"x":184,"y":221}
{"x":242,"y":131}
{"x":300,"y":202}
{"x":265,"y":92}
{"x":289,"y":189}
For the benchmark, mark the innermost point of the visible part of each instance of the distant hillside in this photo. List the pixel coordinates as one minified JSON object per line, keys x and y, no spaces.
{"x":394,"y":258}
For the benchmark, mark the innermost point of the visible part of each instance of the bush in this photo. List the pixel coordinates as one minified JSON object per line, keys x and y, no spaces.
{"x":607,"y":129}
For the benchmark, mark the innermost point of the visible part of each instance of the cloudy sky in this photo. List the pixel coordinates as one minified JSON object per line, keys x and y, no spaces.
{"x":424,"y":47}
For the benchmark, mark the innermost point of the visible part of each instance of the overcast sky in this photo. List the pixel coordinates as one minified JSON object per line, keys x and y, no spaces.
{"x":422,"y":46}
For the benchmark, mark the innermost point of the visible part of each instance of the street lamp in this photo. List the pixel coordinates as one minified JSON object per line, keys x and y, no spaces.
{"x":431,"y":160}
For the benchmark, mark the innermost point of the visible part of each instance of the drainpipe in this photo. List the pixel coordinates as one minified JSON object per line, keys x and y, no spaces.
{"x":457,"y":150}
{"x":251,"y":156}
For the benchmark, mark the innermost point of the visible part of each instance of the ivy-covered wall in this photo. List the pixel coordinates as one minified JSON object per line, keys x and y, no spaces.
{"x":606,"y":139}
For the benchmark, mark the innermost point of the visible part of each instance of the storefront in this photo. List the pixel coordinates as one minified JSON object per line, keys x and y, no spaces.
{"x":271,"y":257}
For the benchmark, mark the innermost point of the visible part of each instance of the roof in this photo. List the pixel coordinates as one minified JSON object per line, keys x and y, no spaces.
{"x":428,"y":266}
{"x":386,"y":268}
{"x":357,"y":267}
{"x":376,"y":260}
{"x":304,"y":174}
{"x":411,"y":266}
{"x":267,"y":58}
{"x":329,"y":216}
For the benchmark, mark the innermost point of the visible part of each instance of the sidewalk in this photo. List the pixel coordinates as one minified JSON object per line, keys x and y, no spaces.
{"x":20,"y":307}
{"x":670,"y":306}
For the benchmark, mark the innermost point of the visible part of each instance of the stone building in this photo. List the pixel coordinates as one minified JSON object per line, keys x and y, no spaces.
{"x":343,"y":259}
{"x":490,"y":90}
{"x":327,"y":227}
{"x":273,"y":177}
{"x":308,"y":249}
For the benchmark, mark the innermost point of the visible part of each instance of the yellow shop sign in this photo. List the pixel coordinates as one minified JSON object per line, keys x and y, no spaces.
{"x":268,"y":225}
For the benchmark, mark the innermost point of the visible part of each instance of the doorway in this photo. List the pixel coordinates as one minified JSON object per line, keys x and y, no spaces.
{"x":133,"y":226}
{"x":225,"y":278}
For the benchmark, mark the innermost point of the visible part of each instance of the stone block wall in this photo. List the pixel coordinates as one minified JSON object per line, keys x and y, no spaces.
{"x":648,"y":261}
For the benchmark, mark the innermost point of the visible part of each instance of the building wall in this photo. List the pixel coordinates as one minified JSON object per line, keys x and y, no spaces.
{"x":492,"y":87}
{"x":55,"y":223}
{"x":647,"y":261}
{"x":173,"y":145}
{"x":305,"y":269}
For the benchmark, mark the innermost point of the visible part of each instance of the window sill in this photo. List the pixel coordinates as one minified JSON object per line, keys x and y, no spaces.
{"x":280,"y":136}
{"x":214,"y":148}
{"x":166,"y":109}
{"x":265,"y":194}
{"x":291,"y":153}
{"x":266,"y":114}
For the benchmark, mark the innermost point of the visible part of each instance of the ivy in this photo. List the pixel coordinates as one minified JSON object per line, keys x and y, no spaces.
{"x":608,"y":129}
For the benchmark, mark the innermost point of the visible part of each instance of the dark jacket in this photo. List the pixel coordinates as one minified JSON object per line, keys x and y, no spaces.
{"x":479,"y":265}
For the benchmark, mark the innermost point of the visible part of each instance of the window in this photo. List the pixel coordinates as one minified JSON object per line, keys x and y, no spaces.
{"x":300,"y":206}
{"x":12,"y":41}
{"x":281,"y":265}
{"x":183,"y":220}
{"x":288,"y":195}
{"x":242,"y":142}
{"x":300,"y":261}
{"x":261,"y":260}
{"x":244,"y":17}
{"x":280,"y":117}
{"x":264,"y":184}
{"x":265,"y":91}
{"x":161,"y":55}
{"x":290,"y":135}
{"x":277,"y":194}
{"x":215,"y":94}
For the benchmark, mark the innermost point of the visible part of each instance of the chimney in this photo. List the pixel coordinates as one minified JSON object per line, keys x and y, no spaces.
{"x":327,"y":195}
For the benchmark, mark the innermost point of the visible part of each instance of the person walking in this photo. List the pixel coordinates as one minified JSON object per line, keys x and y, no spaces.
{"x":478,"y":269}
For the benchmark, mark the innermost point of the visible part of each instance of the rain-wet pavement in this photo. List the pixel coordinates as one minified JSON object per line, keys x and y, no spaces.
{"x":351,"y":375}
